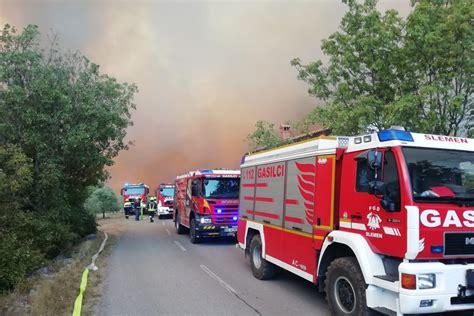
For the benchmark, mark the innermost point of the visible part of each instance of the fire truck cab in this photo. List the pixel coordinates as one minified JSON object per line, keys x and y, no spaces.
{"x":383,"y":221}
{"x":207,"y":203}
{"x":130,"y":192}
{"x":165,"y":199}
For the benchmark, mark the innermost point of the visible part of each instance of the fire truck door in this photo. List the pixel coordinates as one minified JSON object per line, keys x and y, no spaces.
{"x":324,"y":198}
{"x":192,"y":193}
{"x":247,"y":193}
{"x":361,"y":210}
{"x":299,"y":206}
{"x":268,"y":204}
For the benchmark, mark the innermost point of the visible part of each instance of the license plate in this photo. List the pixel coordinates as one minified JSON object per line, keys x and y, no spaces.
{"x":230,"y":229}
{"x":470,"y":279}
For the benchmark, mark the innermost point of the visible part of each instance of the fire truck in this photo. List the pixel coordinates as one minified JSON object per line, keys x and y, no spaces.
{"x":165,"y":199}
{"x":207,"y":203}
{"x":382,"y":222}
{"x":130,"y":192}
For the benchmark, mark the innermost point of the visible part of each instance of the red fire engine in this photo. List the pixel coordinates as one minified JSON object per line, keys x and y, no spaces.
{"x":383,"y":221}
{"x":207,"y":203}
{"x":130,"y":192}
{"x":165,"y":199}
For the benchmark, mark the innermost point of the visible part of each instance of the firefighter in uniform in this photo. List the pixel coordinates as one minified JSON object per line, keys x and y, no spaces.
{"x":136,"y":208}
{"x":141,"y":205}
{"x":152,"y":208}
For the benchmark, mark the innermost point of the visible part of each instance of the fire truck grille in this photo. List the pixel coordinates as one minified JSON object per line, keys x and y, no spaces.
{"x":459,"y":244}
{"x":227,"y":212}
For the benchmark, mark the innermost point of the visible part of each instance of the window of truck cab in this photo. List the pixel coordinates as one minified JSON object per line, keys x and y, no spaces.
{"x":440,"y":175}
{"x":136,"y":190}
{"x":387,"y":172}
{"x":167,"y":191}
{"x":220,"y":188}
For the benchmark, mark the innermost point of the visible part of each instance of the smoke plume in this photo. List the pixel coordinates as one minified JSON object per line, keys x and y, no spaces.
{"x":206,"y":70}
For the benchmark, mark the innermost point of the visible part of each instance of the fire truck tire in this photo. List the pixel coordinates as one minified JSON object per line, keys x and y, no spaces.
{"x":261,"y":268}
{"x":178,"y":226}
{"x":345,"y":288}
{"x":193,"y":234}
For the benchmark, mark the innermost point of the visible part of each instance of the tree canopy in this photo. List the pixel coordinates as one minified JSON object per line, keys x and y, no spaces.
{"x":62,"y":122}
{"x":385,"y":70}
{"x":102,"y":200}
{"x":264,"y":135}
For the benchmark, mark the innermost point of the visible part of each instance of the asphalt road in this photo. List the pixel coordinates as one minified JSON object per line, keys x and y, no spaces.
{"x":154,"y":271}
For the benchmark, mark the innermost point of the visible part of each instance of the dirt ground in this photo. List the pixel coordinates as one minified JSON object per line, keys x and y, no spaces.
{"x":113,"y":225}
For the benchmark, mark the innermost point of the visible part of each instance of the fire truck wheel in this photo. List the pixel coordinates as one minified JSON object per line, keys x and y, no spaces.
{"x":345,"y":288}
{"x":261,"y":268}
{"x":193,"y":233}
{"x":178,"y":226}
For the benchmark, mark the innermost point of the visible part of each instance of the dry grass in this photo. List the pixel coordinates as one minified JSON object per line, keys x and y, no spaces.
{"x":55,"y":296}
{"x":55,"y":292}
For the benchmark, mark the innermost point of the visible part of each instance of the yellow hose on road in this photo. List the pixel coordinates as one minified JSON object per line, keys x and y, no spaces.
{"x":85,"y":274}
{"x":82,"y":288}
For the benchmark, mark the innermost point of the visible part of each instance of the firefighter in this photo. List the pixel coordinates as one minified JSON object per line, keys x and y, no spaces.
{"x":141,"y":205}
{"x":152,"y":208}
{"x":136,"y":208}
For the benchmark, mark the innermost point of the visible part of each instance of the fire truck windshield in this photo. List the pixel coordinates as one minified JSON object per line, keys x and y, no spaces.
{"x":133,"y":191}
{"x":441,"y":175}
{"x":167,"y":191}
{"x":221,"y":188}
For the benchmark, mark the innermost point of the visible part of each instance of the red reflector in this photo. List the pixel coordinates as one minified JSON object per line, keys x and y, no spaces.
{"x":409,"y":281}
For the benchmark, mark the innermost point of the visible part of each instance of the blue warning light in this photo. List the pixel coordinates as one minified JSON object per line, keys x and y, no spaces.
{"x":394,"y":134}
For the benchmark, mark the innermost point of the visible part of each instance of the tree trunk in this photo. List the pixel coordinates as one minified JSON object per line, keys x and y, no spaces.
{"x":103,"y":214}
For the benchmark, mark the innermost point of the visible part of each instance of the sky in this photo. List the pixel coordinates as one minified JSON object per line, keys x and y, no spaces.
{"x":206,"y":70}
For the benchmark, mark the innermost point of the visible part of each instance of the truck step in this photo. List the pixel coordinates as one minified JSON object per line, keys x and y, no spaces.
{"x":390,"y":278}
{"x":384,"y":311}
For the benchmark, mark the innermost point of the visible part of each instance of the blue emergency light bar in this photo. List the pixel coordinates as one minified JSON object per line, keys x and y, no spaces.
{"x":394,"y":134}
{"x":206,"y":171}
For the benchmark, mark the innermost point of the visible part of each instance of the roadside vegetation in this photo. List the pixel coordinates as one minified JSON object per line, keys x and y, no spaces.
{"x":102,"y":200}
{"x":61,"y":123}
{"x":385,"y":70}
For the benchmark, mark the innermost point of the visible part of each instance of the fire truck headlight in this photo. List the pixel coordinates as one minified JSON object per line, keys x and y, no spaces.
{"x":206,"y":220}
{"x":426,"y":281}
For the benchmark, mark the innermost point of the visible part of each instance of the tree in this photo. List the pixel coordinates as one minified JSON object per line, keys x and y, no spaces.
{"x":264,"y":136}
{"x":66,"y":116}
{"x":102,"y":200}
{"x":384,"y":70}
{"x":61,"y":123}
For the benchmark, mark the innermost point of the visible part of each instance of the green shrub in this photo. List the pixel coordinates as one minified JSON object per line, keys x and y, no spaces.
{"x":18,"y":257}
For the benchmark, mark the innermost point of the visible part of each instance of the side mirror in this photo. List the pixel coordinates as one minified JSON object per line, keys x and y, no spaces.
{"x":376,"y":187}
{"x":374,"y":159}
{"x":194,"y":190}
{"x":121,"y":192}
{"x":147,"y":190}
